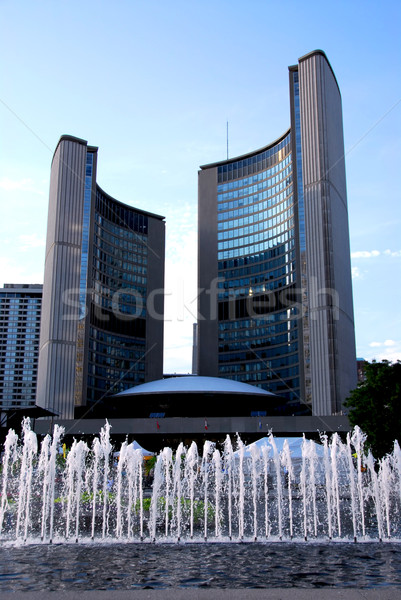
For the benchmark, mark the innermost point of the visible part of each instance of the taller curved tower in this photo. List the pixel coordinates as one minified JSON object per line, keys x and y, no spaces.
{"x":275,"y":304}
{"x":103,"y":300}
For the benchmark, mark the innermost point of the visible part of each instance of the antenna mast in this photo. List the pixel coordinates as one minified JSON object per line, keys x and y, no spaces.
{"x":227,"y":140}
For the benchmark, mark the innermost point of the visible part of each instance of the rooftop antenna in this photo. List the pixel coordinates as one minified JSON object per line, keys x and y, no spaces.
{"x":227,"y":140}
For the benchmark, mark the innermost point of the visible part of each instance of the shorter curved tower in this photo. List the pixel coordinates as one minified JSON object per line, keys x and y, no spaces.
{"x":275,"y":293}
{"x":102,"y":319}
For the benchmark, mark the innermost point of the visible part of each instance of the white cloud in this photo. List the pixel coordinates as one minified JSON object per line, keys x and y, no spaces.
{"x":365,"y":254}
{"x":12,"y":272}
{"x":356,"y":273}
{"x":388,"y":350}
{"x":387,"y":343}
{"x":29,"y":241}
{"x":20,"y":185}
{"x":375,"y":253}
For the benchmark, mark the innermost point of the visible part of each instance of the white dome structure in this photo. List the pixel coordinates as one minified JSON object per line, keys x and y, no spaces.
{"x":195,"y":384}
{"x":195,"y":396}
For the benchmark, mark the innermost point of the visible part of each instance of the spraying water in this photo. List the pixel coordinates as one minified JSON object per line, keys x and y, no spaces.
{"x":333,"y":490}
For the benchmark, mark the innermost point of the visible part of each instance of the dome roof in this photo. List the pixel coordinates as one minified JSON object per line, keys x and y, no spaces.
{"x":195,"y":384}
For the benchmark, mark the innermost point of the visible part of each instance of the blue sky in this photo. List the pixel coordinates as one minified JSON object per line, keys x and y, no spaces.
{"x":153,"y":84}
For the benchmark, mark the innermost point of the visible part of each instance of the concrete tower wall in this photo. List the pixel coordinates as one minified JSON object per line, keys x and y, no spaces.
{"x":155,"y":300}
{"x":207,"y":358}
{"x":332,"y":339}
{"x":60,"y":309}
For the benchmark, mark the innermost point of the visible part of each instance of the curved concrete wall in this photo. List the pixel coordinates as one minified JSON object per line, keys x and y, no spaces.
{"x":57,"y":354}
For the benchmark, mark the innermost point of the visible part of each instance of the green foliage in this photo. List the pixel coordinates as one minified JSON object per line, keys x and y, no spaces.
{"x":375,"y":405}
{"x":149,"y":464}
{"x":198,"y":508}
{"x":87,"y":497}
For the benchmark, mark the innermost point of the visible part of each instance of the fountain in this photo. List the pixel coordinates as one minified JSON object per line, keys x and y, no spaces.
{"x":332,"y":491}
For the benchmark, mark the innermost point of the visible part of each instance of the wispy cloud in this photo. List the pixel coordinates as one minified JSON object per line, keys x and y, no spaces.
{"x":388,"y":343}
{"x":20,"y":185}
{"x":375,"y":253}
{"x":365,"y":254}
{"x":13,"y":272}
{"x":387,"y":350}
{"x":356,"y":273}
{"x":29,"y":241}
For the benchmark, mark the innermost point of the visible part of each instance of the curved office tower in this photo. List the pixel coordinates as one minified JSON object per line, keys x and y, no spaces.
{"x":275,"y":303}
{"x":102,"y":314}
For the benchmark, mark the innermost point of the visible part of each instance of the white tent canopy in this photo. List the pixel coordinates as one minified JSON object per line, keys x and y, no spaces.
{"x":295,"y":446}
{"x":137,"y":446}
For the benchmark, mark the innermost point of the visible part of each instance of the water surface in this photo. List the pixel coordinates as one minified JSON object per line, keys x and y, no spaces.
{"x":125,"y":566}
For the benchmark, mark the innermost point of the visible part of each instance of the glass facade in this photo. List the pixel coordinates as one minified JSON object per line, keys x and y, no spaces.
{"x":302,"y":239}
{"x":257,"y":300}
{"x":83,"y":279}
{"x":117,"y":311}
{"x":99,"y":335}
{"x":274,"y":274}
{"x":20,"y":313}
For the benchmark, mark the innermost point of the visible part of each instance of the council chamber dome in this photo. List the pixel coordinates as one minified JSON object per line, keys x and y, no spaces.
{"x":194,"y":396}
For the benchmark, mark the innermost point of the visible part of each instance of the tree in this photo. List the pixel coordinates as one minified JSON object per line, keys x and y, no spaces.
{"x":375,"y":405}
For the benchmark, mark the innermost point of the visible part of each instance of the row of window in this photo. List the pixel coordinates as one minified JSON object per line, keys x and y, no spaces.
{"x":98,"y":386}
{"x":258,"y":220}
{"x":20,"y":355}
{"x":257,"y":237}
{"x":246,"y":181}
{"x":24,"y":399}
{"x":256,"y":336}
{"x":265,"y":226}
{"x":226,"y":199}
{"x":121,"y":363}
{"x":19,"y":343}
{"x":113,"y":374}
{"x":262,"y":288}
{"x":119,"y":215}
{"x":260,"y":368}
{"x":256,"y":258}
{"x":28,"y":336}
{"x":255,"y":163}
{"x":14,"y":329}
{"x":115,"y":285}
{"x":129,"y":304}
{"x":21,"y":311}
{"x":121,"y":275}
{"x":263,"y":268}
{"x":15,"y":298}
{"x":275,"y":319}
{"x":246,"y":328}
{"x":131,"y":352}
{"x":285,"y":237}
{"x":13,"y":369}
{"x":18,"y":376}
{"x":257,"y":203}
{"x":110,"y":339}
{"x":104,"y":251}
{"x":116,"y":260}
{"x":271,"y":363}
{"x":128,"y":299}
{"x":263,"y":278}
{"x":261,"y":346}
{"x":113,"y":245}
